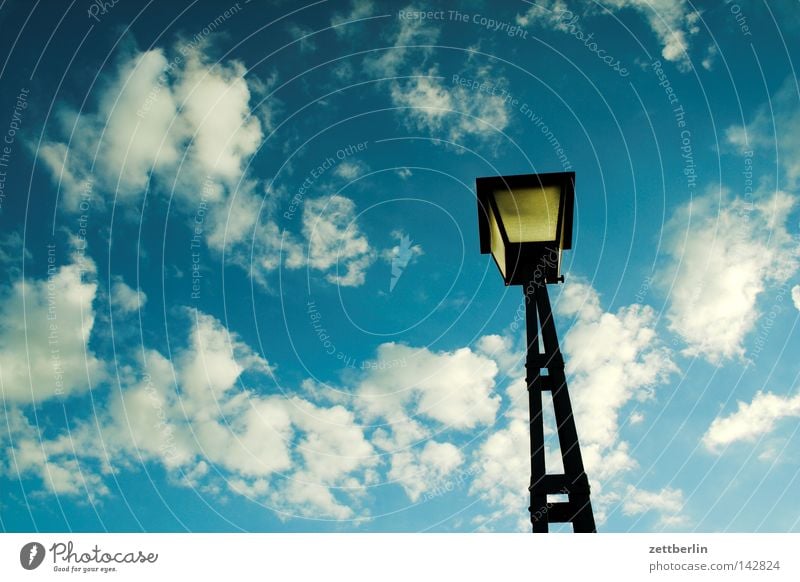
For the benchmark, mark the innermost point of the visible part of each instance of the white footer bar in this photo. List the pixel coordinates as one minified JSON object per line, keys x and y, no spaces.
{"x":413,"y":557}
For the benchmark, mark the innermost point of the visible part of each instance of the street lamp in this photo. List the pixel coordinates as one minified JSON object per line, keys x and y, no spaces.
{"x":525,"y":222}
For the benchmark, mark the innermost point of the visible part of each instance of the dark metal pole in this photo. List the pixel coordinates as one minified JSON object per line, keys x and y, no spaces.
{"x":533,"y":365}
{"x":545,"y":372}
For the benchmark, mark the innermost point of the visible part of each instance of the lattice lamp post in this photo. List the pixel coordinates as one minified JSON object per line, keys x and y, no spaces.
{"x":525,"y":222}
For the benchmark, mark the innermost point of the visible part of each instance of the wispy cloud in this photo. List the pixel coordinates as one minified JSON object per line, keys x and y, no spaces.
{"x":774,"y":130}
{"x":336,"y":246}
{"x":751,"y":421}
{"x":674,"y":22}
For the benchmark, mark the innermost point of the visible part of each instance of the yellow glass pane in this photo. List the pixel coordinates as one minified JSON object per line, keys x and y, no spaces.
{"x":529,"y":214}
{"x":496,"y":242}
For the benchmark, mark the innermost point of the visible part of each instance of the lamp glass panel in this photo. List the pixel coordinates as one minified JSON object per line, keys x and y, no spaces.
{"x":529,"y":214}
{"x":496,"y":242}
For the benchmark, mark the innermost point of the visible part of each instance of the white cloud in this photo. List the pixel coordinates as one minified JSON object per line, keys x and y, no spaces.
{"x":359,"y":9}
{"x":125,"y":298}
{"x":497,"y":347}
{"x":188,"y":124}
{"x":668,"y":502}
{"x":335,"y":243}
{"x":774,"y":130}
{"x":333,"y":445}
{"x":410,"y":33}
{"x":796,"y":296}
{"x":45,"y":325}
{"x":215,"y":105}
{"x":182,"y":125}
{"x":501,"y":463}
{"x":421,"y":470}
{"x":428,"y":102}
{"x":416,"y":386}
{"x":351,"y":169}
{"x":12,"y":251}
{"x":502,"y":467}
{"x":453,"y":388}
{"x":152,"y":113}
{"x":125,"y":147}
{"x":612,"y":360}
{"x":711,"y":56}
{"x":331,"y":451}
{"x":636,"y":418}
{"x":59,"y":471}
{"x":450,"y":112}
{"x":724,"y":252}
{"x":550,"y":12}
{"x":194,"y":416}
{"x":751,"y":421}
{"x":674,"y":22}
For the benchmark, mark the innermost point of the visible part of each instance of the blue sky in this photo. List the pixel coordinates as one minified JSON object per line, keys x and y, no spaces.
{"x":242,"y":288}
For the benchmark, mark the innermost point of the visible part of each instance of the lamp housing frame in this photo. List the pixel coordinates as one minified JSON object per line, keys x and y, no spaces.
{"x":538,"y":262}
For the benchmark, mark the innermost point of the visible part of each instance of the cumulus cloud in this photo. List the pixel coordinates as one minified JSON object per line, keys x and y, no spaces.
{"x":612,"y":360}
{"x":173,"y":123}
{"x":501,"y":464}
{"x":796,"y":296}
{"x":152,"y":112}
{"x":215,"y":105}
{"x":751,"y":421}
{"x":724,"y":253}
{"x":186,"y":126}
{"x":45,"y":326}
{"x":453,"y":388}
{"x":551,"y":12}
{"x":53,"y":462}
{"x":422,"y":392}
{"x":422,"y":469}
{"x":123,"y":148}
{"x":193,"y":414}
